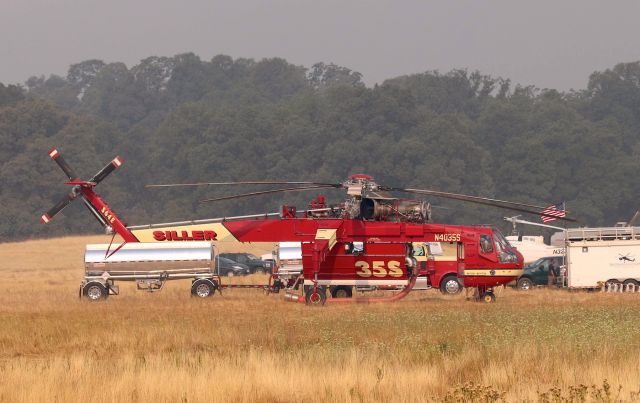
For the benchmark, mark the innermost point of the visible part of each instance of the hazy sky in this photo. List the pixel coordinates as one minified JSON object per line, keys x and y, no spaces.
{"x":547,"y":43}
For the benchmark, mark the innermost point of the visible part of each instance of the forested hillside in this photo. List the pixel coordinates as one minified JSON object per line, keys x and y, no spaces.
{"x":176,"y":119}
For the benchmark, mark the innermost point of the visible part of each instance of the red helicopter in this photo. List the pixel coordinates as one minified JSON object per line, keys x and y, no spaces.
{"x":370,"y":240}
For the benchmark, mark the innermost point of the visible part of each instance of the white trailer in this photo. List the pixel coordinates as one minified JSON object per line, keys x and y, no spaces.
{"x":596,"y":256}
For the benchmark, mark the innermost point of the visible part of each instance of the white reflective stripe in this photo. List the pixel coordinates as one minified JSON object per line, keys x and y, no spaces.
{"x":45,"y":218}
{"x":116,"y":161}
{"x":53,"y":153}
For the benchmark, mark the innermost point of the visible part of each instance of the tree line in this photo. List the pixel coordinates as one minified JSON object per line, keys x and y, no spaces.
{"x":177,"y":119}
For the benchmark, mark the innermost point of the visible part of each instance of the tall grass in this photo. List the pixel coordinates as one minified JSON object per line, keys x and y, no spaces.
{"x":246,"y":346}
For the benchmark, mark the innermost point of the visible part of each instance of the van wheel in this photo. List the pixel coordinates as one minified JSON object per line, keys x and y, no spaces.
{"x":525,"y":284}
{"x":95,"y":291}
{"x":450,"y":285}
{"x":341,"y":291}
{"x":317,"y":298}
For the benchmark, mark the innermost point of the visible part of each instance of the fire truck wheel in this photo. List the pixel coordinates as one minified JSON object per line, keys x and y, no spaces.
{"x":525,"y":284}
{"x":630,"y":281}
{"x":341,"y":291}
{"x":488,"y":297}
{"x":95,"y":291}
{"x":318,"y":298}
{"x":450,"y":285}
{"x":202,"y":288}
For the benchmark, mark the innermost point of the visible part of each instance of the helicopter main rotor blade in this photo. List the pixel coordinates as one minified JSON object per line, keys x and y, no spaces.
{"x":336,"y":185}
{"x":521,"y":207}
{"x":263,"y":192}
{"x":540,"y":213}
{"x":463,"y":197}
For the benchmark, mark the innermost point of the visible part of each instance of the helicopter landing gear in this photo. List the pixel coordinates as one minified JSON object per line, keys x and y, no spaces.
{"x":315,"y":297}
{"x":484,"y":294}
{"x":488,"y":297}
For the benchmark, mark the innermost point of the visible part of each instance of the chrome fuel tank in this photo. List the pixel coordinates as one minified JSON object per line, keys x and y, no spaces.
{"x":139,"y":259}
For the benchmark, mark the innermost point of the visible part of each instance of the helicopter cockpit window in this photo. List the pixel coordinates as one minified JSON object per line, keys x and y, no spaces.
{"x":354,"y":248}
{"x":503,"y":247}
{"x":486,"y":246}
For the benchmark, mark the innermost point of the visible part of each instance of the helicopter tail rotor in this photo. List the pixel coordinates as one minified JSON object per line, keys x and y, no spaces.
{"x":77,"y":185}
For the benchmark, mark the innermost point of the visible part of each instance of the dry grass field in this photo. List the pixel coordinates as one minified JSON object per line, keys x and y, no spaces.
{"x":546,"y":345}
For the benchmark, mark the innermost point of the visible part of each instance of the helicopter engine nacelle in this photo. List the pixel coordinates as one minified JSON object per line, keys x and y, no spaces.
{"x":395,"y":210}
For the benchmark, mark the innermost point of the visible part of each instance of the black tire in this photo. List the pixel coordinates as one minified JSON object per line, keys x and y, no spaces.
{"x":488,"y":297}
{"x":341,"y":291}
{"x":318,"y":298}
{"x":230,"y":273}
{"x":450,"y":285}
{"x":260,"y":270}
{"x":203,"y":288}
{"x":95,"y":291}
{"x":525,"y":284}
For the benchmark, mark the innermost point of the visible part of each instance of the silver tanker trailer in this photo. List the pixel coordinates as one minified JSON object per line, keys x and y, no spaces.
{"x":150,"y":265}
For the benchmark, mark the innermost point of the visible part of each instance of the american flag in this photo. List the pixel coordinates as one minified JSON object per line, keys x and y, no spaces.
{"x":553,"y":212}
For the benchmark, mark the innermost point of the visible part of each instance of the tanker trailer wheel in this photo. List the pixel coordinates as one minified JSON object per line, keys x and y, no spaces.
{"x":95,"y":291}
{"x":318,"y":298}
{"x":450,"y":285}
{"x":202,"y":288}
{"x":525,"y":284}
{"x":341,"y":291}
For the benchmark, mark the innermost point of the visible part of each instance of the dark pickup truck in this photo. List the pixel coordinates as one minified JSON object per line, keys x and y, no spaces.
{"x":256,"y":265}
{"x":537,"y":273}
